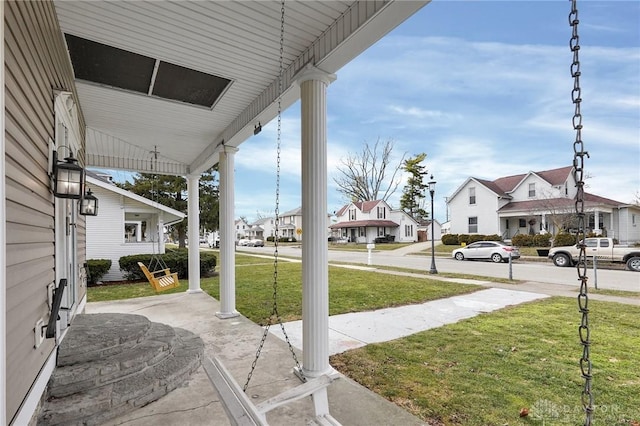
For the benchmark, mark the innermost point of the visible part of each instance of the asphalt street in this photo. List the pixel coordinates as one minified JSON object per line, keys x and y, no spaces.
{"x":522,"y":269}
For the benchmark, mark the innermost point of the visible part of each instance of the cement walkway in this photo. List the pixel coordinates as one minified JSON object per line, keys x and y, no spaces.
{"x":353,"y":330}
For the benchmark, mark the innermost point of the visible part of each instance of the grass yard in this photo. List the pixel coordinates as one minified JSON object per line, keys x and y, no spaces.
{"x":484,"y":370}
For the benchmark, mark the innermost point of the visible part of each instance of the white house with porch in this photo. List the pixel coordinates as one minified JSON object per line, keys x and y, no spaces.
{"x":168,"y":88}
{"x":366,"y":221}
{"x":537,"y":202}
{"x":127,"y":224}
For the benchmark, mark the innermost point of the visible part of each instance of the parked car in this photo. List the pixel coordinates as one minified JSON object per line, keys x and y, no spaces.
{"x":496,"y":251}
{"x":602,"y":248}
{"x":255,"y":243}
{"x":242,"y":242}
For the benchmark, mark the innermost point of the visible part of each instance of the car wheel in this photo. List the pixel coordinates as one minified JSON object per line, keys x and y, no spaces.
{"x":459,"y":256}
{"x":496,"y":258}
{"x":561,"y":260}
{"x":633,"y":264}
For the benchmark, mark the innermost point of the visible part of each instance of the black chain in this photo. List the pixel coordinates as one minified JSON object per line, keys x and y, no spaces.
{"x":578,"y":165}
{"x":275,"y":315}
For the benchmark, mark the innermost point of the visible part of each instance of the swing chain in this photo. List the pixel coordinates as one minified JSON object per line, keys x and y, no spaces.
{"x":275,"y":315}
{"x":581,"y":267}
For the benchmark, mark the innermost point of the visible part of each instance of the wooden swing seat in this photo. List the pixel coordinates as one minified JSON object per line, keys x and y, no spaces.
{"x":242,"y":412}
{"x":160,"y":280}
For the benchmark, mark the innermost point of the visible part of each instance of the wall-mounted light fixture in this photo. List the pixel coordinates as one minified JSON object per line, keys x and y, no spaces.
{"x":68,"y":177}
{"x":89,"y":204}
{"x":257,"y":128}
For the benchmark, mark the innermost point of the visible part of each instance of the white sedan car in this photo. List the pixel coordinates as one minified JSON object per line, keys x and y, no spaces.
{"x":496,"y":251}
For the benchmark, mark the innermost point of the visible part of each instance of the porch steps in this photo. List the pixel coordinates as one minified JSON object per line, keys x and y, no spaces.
{"x":111,"y":364}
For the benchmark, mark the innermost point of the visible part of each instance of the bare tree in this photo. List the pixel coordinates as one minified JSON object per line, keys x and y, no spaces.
{"x":368,"y":174}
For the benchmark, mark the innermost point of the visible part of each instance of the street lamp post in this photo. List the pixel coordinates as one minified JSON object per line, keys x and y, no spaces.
{"x":432,"y":190}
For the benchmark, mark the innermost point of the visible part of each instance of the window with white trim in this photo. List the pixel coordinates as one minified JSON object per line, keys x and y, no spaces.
{"x":408,"y":230}
{"x":352,"y":214}
{"x":382,"y":213}
{"x":472,"y":195}
{"x":532,"y":190}
{"x":473,"y":225}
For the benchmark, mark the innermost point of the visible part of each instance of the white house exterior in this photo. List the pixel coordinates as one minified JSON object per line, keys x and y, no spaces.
{"x":127,"y":224}
{"x":290,"y":224}
{"x":536,"y":202}
{"x":364,"y":221}
{"x":425,"y":231}
{"x":242,"y":229}
{"x":262,"y":228}
{"x":49,"y":107}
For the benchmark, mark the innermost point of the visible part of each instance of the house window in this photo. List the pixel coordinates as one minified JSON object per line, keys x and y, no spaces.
{"x":473,"y":225}
{"x":380,"y":232}
{"x":633,"y":219}
{"x":381,"y":213}
{"x":566,"y":189}
{"x":532,"y":190}
{"x":472,"y":195}
{"x":362,"y":232}
{"x":408,"y":230}
{"x":352,"y":214}
{"x":507,"y":223}
{"x":522,"y":223}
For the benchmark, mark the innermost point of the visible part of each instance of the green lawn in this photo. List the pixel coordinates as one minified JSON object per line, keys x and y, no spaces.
{"x":480,"y":371}
{"x":484,"y":370}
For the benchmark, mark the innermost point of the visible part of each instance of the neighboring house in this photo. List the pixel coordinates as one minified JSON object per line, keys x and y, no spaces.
{"x":537,"y":202}
{"x":242,"y":228}
{"x":290,"y":225}
{"x":445,"y":228}
{"x":424,"y":230}
{"x":127,"y":224}
{"x":364,"y":221}
{"x":262,"y":228}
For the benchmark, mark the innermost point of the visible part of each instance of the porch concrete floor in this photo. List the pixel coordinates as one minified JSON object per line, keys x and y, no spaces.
{"x":235,"y":341}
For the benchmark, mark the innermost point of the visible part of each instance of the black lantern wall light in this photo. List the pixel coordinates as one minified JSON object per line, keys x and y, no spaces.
{"x":68,"y":182}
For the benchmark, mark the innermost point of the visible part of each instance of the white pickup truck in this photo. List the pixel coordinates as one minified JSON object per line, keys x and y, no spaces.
{"x":602,"y":249}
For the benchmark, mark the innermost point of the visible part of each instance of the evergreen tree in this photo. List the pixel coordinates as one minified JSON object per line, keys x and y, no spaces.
{"x":171,"y":191}
{"x":414,"y":192}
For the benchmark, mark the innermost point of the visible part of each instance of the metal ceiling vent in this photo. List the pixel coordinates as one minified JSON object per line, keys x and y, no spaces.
{"x":106,"y":65}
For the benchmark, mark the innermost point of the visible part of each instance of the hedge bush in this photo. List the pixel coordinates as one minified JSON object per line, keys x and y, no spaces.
{"x":271,"y":238}
{"x":176,"y":259}
{"x":456,"y":239}
{"x":564,"y":239}
{"x":287,"y":239}
{"x":96,"y":268}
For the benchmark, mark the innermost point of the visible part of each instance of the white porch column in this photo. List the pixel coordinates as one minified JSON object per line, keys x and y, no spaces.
{"x":315,"y":273}
{"x":3,"y":241}
{"x":227,"y":234}
{"x":544,"y":221}
{"x":193,"y":222}
{"x":596,"y":220}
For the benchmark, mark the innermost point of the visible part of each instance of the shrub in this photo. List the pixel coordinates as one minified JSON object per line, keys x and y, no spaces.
{"x":564,"y":239}
{"x":287,"y":239}
{"x":542,"y":240}
{"x":177,"y":260}
{"x":450,"y":239}
{"x":463,"y":238}
{"x":96,"y":268}
{"x":472,"y":238}
{"x":522,"y":240}
{"x":271,"y":238}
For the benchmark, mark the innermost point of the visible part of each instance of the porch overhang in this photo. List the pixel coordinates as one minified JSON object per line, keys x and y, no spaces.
{"x":235,"y":41}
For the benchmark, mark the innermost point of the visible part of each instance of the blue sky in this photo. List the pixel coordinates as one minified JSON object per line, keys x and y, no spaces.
{"x":482,"y":87}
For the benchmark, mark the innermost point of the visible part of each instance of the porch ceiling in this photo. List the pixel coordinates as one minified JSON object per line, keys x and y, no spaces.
{"x":233,"y":40}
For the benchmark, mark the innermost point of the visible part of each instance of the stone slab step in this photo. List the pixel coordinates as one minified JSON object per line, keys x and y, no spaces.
{"x":154,"y":378}
{"x":69,"y":379}
{"x":97,"y":336}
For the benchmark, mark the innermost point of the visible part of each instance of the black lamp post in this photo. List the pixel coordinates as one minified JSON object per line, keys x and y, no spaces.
{"x":432,"y":190}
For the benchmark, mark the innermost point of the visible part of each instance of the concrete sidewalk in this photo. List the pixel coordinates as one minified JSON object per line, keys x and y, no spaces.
{"x":353,"y":330}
